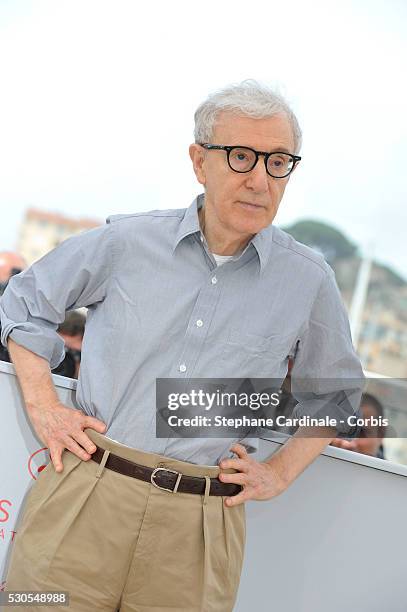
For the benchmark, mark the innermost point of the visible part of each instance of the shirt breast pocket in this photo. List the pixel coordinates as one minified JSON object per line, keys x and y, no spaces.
{"x":247,"y":354}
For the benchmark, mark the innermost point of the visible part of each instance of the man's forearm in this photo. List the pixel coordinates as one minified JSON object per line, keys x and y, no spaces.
{"x":59,"y":427}
{"x":299,"y":452}
{"x":34,"y":375}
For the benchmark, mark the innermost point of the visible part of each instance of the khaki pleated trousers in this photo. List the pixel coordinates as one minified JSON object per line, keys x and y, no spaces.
{"x":113,"y":541}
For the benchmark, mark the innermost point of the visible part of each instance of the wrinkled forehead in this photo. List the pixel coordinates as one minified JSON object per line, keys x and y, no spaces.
{"x":263,"y":134}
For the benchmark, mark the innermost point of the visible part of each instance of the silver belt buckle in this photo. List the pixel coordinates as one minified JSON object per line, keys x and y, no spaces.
{"x":153,"y":482}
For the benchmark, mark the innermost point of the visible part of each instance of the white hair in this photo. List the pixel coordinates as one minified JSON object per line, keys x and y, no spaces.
{"x":249,"y":98}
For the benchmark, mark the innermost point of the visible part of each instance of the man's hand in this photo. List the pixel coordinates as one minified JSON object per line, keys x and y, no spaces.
{"x":60,"y":427}
{"x":259,"y":480}
{"x":56,"y":425}
{"x":348,"y":444}
{"x":264,"y":480}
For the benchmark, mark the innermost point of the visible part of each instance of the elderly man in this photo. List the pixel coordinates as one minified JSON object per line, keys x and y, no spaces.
{"x":121,"y":517}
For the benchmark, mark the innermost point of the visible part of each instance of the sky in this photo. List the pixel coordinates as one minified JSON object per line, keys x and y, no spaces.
{"x":97,"y":102}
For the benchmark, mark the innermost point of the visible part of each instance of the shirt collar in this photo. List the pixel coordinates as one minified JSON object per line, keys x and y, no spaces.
{"x":262,"y":242}
{"x":190,"y":225}
{"x":190,"y":221}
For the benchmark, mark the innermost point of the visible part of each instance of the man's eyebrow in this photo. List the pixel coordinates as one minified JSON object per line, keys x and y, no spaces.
{"x":281,"y":150}
{"x":277,"y":149}
{"x":274,"y":150}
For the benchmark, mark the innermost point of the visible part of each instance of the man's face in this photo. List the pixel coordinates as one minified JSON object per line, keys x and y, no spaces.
{"x":72,"y":342}
{"x":242,"y":203}
{"x":368,"y":444}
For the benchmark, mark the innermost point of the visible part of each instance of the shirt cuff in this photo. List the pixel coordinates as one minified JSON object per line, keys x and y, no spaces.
{"x":43,"y":342}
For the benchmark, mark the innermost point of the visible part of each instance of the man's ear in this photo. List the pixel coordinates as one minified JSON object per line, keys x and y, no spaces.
{"x":197,"y":155}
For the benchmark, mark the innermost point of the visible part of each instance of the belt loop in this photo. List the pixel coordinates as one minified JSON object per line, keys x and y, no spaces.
{"x":175,"y":489}
{"x":102,"y":463}
{"x":207,"y":489}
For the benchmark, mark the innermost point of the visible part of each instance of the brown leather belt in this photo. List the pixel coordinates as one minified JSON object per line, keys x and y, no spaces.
{"x":164,"y":478}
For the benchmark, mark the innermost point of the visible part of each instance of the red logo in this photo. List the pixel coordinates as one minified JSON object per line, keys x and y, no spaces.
{"x":3,"y":510}
{"x":41,"y":462}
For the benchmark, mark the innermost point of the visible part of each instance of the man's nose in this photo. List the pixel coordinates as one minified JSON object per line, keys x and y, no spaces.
{"x":258,"y":179}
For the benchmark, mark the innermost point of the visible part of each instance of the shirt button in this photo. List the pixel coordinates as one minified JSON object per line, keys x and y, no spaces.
{"x":199,"y":323}
{"x":182,"y":367}
{"x":214,"y":280}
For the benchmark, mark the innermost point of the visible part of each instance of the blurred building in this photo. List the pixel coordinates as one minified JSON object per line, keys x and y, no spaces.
{"x":383,"y":340}
{"x":382,"y":344}
{"x":42,"y":231}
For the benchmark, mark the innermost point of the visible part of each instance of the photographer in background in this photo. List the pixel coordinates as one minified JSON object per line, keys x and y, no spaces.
{"x":10,"y":264}
{"x":370,"y":441}
{"x":71,"y":330}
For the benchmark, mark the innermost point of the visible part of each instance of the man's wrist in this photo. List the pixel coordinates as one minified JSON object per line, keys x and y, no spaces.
{"x":278,"y":473}
{"x":45,"y":403}
{"x":290,"y":460}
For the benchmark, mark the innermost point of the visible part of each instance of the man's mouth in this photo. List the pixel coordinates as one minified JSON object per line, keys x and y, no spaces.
{"x":251,"y":206}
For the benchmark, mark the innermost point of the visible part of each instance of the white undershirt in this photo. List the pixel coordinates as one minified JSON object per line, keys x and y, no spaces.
{"x":221,"y":259}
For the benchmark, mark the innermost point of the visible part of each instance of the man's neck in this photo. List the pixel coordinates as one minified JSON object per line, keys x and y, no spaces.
{"x":219,"y":242}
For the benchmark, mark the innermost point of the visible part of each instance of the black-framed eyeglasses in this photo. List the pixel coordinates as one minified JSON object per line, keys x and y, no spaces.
{"x":279,"y":164}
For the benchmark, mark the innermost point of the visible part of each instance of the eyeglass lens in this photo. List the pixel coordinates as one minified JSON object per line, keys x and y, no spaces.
{"x":244,"y":160}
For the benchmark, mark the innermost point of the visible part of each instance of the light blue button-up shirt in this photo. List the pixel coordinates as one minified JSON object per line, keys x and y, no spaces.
{"x":159,"y":307}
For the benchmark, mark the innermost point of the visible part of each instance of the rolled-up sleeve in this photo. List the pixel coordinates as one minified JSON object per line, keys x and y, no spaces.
{"x":327,"y":377}
{"x":73,"y":275}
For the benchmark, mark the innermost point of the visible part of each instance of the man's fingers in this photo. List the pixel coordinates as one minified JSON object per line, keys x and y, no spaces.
{"x":339,"y":443}
{"x":84,"y":441}
{"x":55,"y":453}
{"x":237,"y":477}
{"x":74,"y":447}
{"x":94,"y":423}
{"x":237,"y":464}
{"x":238,"y":499}
{"x":239,"y":449}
